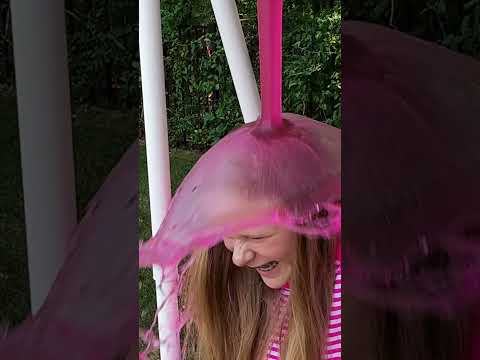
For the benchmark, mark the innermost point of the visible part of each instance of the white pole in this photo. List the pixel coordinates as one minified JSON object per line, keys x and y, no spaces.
{"x":156,"y":137}
{"x":228,"y":20}
{"x":43,"y":100}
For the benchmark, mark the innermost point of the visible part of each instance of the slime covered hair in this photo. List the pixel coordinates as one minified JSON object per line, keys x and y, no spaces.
{"x":289,"y":177}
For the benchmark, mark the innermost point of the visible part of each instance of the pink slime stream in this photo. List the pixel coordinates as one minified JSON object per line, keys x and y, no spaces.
{"x":270,"y":44}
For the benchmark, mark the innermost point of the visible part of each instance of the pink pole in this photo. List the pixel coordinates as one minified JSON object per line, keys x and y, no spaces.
{"x":270,"y":44}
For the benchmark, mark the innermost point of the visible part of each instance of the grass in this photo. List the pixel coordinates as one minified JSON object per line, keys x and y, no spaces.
{"x":100,"y":138}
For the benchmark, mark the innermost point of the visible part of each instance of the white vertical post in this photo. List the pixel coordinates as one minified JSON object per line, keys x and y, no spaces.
{"x":43,"y":100}
{"x":233,"y":39}
{"x":156,"y":137}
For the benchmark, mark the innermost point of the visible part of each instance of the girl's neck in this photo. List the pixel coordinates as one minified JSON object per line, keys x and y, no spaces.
{"x":279,"y":315}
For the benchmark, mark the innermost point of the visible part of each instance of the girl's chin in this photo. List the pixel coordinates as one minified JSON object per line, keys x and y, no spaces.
{"x":276,"y":278}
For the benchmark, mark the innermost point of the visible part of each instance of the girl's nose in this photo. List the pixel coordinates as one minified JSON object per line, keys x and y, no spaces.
{"x":242,"y":255}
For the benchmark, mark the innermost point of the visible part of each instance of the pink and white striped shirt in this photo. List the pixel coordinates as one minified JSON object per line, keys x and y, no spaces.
{"x":334,"y":340}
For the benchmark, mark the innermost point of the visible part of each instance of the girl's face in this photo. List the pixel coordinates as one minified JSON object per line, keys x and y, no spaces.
{"x":270,"y":250}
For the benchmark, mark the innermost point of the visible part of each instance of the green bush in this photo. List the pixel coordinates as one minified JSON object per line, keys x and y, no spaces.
{"x":202,"y":104}
{"x":312,"y":59}
{"x":103,"y":52}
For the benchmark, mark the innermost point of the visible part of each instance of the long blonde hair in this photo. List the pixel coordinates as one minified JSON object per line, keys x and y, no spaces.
{"x":231,"y":312}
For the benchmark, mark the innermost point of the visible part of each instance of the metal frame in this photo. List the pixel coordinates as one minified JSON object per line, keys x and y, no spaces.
{"x":155,"y":114}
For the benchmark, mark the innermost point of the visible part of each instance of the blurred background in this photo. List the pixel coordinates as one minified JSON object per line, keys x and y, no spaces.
{"x":102,"y":38}
{"x":402,"y":335}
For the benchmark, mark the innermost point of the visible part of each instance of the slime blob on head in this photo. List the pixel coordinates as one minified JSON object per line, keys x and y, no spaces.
{"x":288,"y":162}
{"x":288,"y":176}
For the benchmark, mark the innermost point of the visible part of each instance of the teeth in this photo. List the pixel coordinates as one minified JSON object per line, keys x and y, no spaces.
{"x":269,"y":266}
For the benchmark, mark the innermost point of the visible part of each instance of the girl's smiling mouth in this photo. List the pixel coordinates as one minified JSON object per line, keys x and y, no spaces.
{"x":267,"y":267}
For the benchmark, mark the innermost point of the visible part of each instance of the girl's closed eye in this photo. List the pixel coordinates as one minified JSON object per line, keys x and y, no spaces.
{"x":260,"y":237}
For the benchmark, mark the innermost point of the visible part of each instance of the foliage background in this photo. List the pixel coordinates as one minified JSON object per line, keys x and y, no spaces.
{"x":201,"y":98}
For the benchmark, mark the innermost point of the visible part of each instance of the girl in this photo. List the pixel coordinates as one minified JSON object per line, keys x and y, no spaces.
{"x":264,"y":293}
{"x":266,"y":205}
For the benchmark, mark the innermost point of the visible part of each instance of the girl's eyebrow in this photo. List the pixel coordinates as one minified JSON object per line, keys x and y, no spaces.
{"x":252,"y":236}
